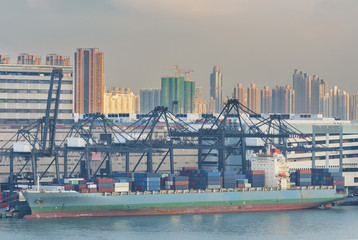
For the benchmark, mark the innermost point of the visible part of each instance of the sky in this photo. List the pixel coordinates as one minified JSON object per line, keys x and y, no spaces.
{"x":253,"y":41}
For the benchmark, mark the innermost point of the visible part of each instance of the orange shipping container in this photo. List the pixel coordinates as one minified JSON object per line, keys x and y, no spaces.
{"x":304,"y":171}
{"x":181,"y":183}
{"x":104,"y":180}
{"x":257,"y":172}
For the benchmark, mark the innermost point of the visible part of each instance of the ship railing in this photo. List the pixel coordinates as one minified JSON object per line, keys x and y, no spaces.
{"x":252,"y":189}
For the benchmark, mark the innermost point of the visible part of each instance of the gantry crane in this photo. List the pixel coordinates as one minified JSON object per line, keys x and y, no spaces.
{"x":40,"y":135}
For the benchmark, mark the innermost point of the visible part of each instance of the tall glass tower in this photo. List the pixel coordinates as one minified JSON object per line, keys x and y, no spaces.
{"x":216,"y":88}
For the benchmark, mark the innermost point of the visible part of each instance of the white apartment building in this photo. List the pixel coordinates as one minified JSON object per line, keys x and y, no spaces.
{"x":24,"y":92}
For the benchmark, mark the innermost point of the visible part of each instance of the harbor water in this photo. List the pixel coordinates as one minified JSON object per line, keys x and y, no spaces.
{"x":335,"y":223}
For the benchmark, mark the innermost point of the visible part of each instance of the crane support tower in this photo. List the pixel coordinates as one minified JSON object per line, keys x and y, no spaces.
{"x":38,"y":138}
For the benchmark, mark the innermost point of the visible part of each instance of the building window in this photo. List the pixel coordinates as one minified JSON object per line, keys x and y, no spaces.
{"x":356,"y":179}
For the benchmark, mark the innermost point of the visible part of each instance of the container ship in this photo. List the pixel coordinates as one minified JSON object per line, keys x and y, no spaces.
{"x":266,"y":187}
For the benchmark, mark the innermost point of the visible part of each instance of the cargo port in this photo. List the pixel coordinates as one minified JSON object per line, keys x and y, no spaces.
{"x":240,"y":165}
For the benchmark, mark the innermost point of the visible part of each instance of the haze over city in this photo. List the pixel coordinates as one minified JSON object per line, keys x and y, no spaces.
{"x":258,"y":42}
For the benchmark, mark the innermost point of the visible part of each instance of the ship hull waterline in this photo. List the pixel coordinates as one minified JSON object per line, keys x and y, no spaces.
{"x":173,"y":211}
{"x":74,"y":204}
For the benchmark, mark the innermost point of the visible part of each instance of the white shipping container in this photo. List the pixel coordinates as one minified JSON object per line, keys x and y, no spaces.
{"x":91,"y":186}
{"x":22,"y":147}
{"x":67,"y":180}
{"x":122,"y":184}
{"x":247,"y":185}
{"x":121,"y":189}
{"x":76,"y":142}
{"x":169,"y":183}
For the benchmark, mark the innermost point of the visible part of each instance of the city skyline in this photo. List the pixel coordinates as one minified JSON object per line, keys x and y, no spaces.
{"x":252,"y":41}
{"x":309,"y":95}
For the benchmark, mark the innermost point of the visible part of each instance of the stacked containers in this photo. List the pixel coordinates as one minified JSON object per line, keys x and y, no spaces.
{"x":122,"y":174}
{"x":168,"y":182}
{"x":328,"y":177}
{"x":162,"y":180}
{"x":82,"y":188}
{"x":181,"y":182}
{"x":92,"y":188}
{"x":3,"y":204}
{"x":104,"y":184}
{"x":229,"y":179}
{"x":257,"y":178}
{"x":185,"y":170}
{"x":194,"y":177}
{"x":304,"y":178}
{"x":146,"y":182}
{"x":293,"y":177}
{"x":7,"y":198}
{"x":211,"y":180}
{"x":242,"y":181}
{"x":73,"y":184}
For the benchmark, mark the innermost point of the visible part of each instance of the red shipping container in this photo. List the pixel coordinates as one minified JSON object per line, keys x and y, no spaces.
{"x":68,"y":186}
{"x":189,"y":168}
{"x":181,"y":183}
{"x":104,"y":180}
{"x":82,"y":186}
{"x":275,"y":151}
{"x":328,"y":178}
{"x":92,"y":190}
{"x":338,"y":183}
{"x":304,"y":171}
{"x":84,"y":190}
{"x":105,"y":190}
{"x":257,"y":172}
{"x":4,"y":205}
{"x":240,"y":185}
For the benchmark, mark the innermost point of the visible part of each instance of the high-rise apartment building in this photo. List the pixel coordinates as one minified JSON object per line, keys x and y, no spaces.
{"x":189,"y":96}
{"x":253,"y":98}
{"x":120,"y":100}
{"x":149,"y":99}
{"x":199,"y":103}
{"x":177,"y":94}
{"x":344,"y":105}
{"x":57,"y":60}
{"x":266,"y":100}
{"x":302,"y":87}
{"x":211,"y":105}
{"x":24,"y":92}
{"x":216,"y":88}
{"x":283,"y":100}
{"x":339,"y":104}
{"x":240,"y":94}
{"x":353,"y":102}
{"x":4,"y":59}
{"x":89,"y":80}
{"x":28,"y":59}
{"x":319,"y":88}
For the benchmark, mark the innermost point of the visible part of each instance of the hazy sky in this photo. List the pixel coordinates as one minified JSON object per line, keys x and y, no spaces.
{"x":253,"y":41}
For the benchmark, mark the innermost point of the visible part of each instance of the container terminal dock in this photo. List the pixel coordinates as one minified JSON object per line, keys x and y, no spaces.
{"x":238,"y":141}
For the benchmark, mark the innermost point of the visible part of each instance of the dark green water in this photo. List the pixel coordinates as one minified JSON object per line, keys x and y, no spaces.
{"x":335,"y":223}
